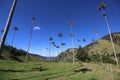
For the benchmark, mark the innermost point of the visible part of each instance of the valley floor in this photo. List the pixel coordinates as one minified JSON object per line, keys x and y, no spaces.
{"x":11,"y":70}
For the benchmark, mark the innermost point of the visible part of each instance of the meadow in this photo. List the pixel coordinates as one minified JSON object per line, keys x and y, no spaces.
{"x":12,"y":70}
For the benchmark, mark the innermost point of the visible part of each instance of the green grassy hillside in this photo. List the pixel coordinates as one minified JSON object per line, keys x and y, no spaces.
{"x":18,"y":56}
{"x":101,"y":47}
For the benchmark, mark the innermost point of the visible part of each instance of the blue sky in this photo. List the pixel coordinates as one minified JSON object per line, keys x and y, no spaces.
{"x":52,"y":17}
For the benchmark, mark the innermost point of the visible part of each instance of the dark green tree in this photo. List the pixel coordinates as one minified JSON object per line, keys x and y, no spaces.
{"x":81,"y":54}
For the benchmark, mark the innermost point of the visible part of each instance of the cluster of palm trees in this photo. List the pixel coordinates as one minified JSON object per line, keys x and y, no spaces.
{"x":52,"y":43}
{"x":101,"y":7}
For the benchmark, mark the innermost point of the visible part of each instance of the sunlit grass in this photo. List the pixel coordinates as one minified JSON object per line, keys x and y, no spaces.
{"x":10,"y":70}
{"x":100,"y":48}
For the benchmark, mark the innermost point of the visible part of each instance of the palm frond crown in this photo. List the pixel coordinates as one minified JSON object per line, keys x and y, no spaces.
{"x":101,"y":6}
{"x":16,"y":28}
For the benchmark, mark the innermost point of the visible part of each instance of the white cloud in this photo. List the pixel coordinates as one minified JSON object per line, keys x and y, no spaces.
{"x":36,"y":28}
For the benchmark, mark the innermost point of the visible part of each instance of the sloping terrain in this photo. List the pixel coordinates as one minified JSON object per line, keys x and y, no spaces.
{"x":11,"y":70}
{"x":18,"y":55}
{"x":101,"y":47}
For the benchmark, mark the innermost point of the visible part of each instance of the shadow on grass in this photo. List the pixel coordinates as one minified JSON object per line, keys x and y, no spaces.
{"x":3,"y":58}
{"x":33,"y":69}
{"x":84,"y":70}
{"x":39,"y":69}
{"x":16,"y":59}
{"x":13,"y":70}
{"x":37,"y":76}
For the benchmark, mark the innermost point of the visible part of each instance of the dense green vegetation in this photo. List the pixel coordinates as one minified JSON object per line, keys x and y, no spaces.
{"x":81,"y":54}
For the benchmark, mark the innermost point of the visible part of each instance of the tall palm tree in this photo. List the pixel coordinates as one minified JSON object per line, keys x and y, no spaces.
{"x":102,"y":7}
{"x":93,"y":39}
{"x":63,"y":55}
{"x":78,"y":43}
{"x":47,"y":51}
{"x":7,"y":26}
{"x":72,"y":36}
{"x":96,"y":32}
{"x":15,"y":30}
{"x":57,"y":53}
{"x":50,"y":39}
{"x":84,"y":40}
{"x":54,"y":45}
{"x":30,"y":38}
{"x":54,"y":48}
{"x":60,"y":35}
{"x":99,"y":48}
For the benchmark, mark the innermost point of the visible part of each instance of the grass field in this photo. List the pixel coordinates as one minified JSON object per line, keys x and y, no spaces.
{"x":11,"y":70}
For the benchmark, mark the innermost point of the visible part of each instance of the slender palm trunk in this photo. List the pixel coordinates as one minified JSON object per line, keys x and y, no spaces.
{"x":13,"y":37}
{"x":61,"y":58}
{"x":47,"y":52}
{"x":12,"y":41}
{"x":73,"y":49}
{"x":99,"y":49}
{"x":51,"y":54}
{"x":111,"y":39}
{"x":7,"y":26}
{"x":101,"y":59}
{"x":50,"y":51}
{"x":72,"y":40}
{"x":58,"y":56}
{"x":62,"y":53}
{"x":26,"y":58}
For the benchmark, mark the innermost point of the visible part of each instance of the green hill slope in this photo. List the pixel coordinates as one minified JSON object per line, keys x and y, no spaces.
{"x":101,"y":47}
{"x":18,"y":55}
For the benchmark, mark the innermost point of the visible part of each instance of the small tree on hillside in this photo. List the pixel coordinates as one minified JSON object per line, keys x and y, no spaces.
{"x":81,"y":54}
